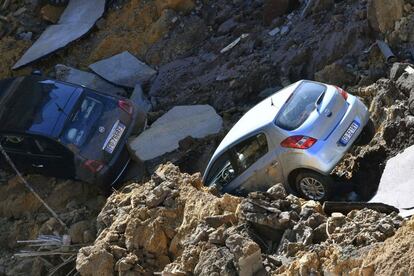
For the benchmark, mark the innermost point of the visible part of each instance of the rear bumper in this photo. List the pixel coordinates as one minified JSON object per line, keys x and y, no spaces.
{"x":324,"y":155}
{"x":113,"y":171}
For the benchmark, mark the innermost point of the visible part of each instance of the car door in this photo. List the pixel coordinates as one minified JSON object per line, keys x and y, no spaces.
{"x":39,"y":155}
{"x":51,"y":158}
{"x":259,"y":168}
{"x":18,"y":147}
{"x":222,"y":171}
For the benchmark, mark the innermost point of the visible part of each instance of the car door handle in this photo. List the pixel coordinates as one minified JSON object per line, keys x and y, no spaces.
{"x":38,"y":165}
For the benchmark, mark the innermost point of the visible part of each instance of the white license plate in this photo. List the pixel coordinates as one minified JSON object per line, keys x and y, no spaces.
{"x":114,"y":137}
{"x":349,"y":133}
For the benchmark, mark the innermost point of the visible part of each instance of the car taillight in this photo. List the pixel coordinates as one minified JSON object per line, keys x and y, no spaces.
{"x":126,"y":106}
{"x":93,"y":165}
{"x":342,"y":92}
{"x":298,"y":142}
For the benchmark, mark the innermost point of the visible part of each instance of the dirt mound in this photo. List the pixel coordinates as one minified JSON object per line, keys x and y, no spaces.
{"x":11,"y":50}
{"x":133,"y":27}
{"x":391,"y":257}
{"x":173,"y":224}
{"x":394,"y":256}
{"x":143,"y":226}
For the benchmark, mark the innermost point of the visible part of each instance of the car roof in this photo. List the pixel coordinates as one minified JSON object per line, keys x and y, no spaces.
{"x":257,"y":117}
{"x":34,"y":104}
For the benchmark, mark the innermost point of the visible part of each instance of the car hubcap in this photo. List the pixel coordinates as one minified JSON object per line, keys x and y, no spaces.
{"x":312,"y":188}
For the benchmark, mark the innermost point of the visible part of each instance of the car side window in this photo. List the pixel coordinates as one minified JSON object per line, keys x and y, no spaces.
{"x":17,"y":143}
{"x":236,"y":160}
{"x":250,"y":150}
{"x":222,"y":171}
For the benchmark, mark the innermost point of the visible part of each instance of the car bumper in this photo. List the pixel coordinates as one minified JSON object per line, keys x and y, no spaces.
{"x":324,"y":155}
{"x":112,"y":172}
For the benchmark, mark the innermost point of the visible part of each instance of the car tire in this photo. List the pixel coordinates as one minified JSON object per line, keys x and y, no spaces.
{"x":313,"y":186}
{"x":367,"y":134}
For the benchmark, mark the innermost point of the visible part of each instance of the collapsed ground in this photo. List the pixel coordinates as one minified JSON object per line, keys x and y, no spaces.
{"x":331,"y":41}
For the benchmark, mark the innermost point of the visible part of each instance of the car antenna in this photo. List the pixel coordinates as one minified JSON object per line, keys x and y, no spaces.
{"x":271,"y":102}
{"x":61,"y":109}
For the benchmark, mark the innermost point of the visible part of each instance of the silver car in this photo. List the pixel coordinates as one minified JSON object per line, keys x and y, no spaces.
{"x":296,"y":137}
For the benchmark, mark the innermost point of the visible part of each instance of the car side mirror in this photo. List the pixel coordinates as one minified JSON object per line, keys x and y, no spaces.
{"x":37,"y":72}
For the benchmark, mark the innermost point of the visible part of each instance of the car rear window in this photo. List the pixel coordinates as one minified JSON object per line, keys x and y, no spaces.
{"x":299,"y":105}
{"x":78,"y":128}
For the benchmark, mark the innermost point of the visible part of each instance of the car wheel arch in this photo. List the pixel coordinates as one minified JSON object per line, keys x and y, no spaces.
{"x":291,"y":179}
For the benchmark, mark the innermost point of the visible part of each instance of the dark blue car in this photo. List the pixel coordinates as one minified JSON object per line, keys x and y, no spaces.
{"x":65,"y":130}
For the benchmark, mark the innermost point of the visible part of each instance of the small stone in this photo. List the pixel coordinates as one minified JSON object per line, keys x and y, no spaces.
{"x":285,"y":30}
{"x":397,"y":70}
{"x":277,"y":191}
{"x":274,"y":32}
{"x":76,"y":231}
{"x":216,"y":221}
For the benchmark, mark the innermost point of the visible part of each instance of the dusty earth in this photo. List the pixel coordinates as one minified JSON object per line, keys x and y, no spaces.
{"x":169,"y":222}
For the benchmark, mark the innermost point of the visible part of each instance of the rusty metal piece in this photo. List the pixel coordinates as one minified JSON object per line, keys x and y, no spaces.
{"x":330,"y":207}
{"x":386,"y":51}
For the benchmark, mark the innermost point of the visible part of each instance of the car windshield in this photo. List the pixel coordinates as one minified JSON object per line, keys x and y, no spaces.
{"x":79,"y":127}
{"x":300,"y":105}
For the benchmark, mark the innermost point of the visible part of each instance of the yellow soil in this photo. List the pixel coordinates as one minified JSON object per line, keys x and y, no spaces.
{"x":134,"y":28}
{"x":11,"y":50}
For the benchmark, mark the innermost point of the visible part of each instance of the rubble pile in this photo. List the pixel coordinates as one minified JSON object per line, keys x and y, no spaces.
{"x":143,"y":226}
{"x":361,"y":253}
{"x":173,"y":224}
{"x":387,"y":100}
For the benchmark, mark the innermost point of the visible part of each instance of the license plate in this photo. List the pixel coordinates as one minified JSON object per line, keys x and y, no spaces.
{"x":114,"y":137}
{"x":349,"y":133}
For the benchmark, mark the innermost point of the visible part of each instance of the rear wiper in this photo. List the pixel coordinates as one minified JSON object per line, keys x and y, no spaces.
{"x":319,"y":101}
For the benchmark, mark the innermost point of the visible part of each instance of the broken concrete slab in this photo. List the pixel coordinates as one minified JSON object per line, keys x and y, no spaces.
{"x":396,"y":186}
{"x":89,"y":80}
{"x":77,"y":19}
{"x":140,"y":100}
{"x":129,"y":70}
{"x":180,"y":122}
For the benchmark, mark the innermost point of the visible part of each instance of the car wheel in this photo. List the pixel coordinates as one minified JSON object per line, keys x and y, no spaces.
{"x":367,"y":134}
{"x":313,"y":186}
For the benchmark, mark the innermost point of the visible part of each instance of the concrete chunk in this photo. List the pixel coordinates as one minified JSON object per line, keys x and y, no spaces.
{"x":77,"y":19}
{"x":180,"y":122}
{"x":123,"y":69}
{"x":89,"y":80}
{"x":139,"y":99}
{"x":396,"y":186}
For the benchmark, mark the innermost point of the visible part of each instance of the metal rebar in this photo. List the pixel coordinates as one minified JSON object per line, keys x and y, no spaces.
{"x":8,"y":159}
